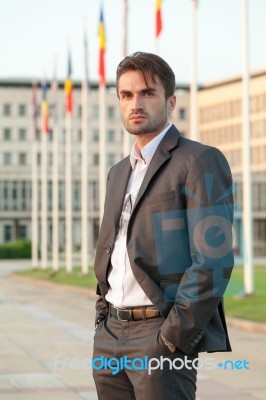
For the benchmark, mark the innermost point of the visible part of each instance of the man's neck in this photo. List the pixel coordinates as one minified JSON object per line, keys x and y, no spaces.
{"x":143,"y":140}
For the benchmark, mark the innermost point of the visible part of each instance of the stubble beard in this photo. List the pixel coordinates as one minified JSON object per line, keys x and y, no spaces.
{"x":148,"y":126}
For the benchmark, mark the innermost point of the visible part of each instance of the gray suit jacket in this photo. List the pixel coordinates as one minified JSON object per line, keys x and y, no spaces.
{"x":178,"y":240}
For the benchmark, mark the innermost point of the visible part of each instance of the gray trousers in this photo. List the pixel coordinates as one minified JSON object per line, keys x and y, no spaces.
{"x":116,"y":378}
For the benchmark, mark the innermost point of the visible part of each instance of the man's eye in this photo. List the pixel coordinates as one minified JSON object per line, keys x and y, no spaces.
{"x":149,"y":94}
{"x":125,"y":95}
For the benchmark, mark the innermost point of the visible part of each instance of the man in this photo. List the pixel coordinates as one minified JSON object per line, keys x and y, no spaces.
{"x":164,"y":254}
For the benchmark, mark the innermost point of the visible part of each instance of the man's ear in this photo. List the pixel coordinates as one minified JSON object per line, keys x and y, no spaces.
{"x":171,"y":103}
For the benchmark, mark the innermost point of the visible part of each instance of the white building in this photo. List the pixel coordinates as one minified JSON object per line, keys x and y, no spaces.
{"x":16,"y":136}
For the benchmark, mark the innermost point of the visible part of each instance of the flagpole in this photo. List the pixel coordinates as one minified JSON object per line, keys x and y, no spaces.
{"x":84,"y":167}
{"x":125,"y":27}
{"x":68,"y":194}
{"x":44,"y":256}
{"x":102,"y":145}
{"x":55,"y":218}
{"x":34,"y":183}
{"x":194,"y":135}
{"x":68,"y":167}
{"x":102,"y":115}
{"x":246,"y":160}
{"x":126,"y":135}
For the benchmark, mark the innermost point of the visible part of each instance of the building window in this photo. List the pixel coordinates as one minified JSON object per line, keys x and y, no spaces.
{"x":182,"y":113}
{"x":95,"y":112}
{"x":111,"y":112}
{"x":22,"y":110}
{"x":79,"y":110}
{"x":7,"y":134}
{"x":61,"y":195}
{"x":50,"y":195}
{"x":7,"y":233}
{"x":24,"y":195}
{"x":7,"y":158}
{"x":95,"y":135}
{"x":111,"y":136}
{"x":15,"y":195}
{"x":76,"y":199}
{"x":7,"y":110}
{"x":77,"y":159}
{"x":111,"y":159}
{"x":22,"y":232}
{"x":95,"y":160}
{"x":22,"y":158}
{"x":22,"y":134}
{"x":50,"y":159}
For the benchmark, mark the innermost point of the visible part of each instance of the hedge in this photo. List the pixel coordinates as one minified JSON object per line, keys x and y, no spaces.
{"x":19,"y":249}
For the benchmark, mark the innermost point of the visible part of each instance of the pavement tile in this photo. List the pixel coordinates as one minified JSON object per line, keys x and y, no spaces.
{"x":88,"y":396}
{"x":34,"y":380}
{"x":39,"y":322}
{"x":40,"y":396}
{"x":210,"y":390}
{"x":12,"y":365}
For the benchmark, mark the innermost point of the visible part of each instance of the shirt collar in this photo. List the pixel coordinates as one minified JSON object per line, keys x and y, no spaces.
{"x":147,"y":152}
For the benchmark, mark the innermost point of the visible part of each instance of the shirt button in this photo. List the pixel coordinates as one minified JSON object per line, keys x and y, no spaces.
{"x":108,"y":249}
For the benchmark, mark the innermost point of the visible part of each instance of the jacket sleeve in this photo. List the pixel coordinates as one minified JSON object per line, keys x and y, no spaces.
{"x":101,"y":309}
{"x":209,"y":217}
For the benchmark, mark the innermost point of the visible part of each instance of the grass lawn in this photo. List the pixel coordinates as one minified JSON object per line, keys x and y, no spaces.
{"x":252,"y":308}
{"x":75,"y":278}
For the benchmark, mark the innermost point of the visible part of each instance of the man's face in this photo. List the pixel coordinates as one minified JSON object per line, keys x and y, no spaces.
{"x":144,"y":109}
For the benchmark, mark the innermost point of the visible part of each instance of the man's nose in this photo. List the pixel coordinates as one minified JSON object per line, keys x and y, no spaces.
{"x":136,"y":104}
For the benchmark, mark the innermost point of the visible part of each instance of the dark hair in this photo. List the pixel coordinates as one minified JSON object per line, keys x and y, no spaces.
{"x":149,"y":65}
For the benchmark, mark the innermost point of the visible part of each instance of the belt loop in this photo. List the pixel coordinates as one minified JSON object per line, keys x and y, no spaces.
{"x":144,"y":316}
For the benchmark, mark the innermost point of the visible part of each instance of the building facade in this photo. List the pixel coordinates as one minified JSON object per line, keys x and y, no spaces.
{"x":220,"y":125}
{"x":16,"y":138}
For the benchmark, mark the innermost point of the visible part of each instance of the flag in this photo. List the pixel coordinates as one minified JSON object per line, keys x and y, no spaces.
{"x":69,"y":87}
{"x":45,"y":109}
{"x":34,"y":111}
{"x":102,"y":46}
{"x":158,"y":17}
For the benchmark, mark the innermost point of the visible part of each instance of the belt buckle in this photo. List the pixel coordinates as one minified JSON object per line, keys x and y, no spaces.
{"x":118,"y":316}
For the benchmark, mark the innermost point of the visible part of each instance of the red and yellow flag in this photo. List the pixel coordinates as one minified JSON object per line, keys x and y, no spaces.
{"x":158,"y":17}
{"x":102,"y":46}
{"x":69,"y":88}
{"x":45,"y":109}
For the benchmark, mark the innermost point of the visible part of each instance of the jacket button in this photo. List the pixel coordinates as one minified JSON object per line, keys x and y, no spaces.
{"x":192,"y":344}
{"x":108,"y":249}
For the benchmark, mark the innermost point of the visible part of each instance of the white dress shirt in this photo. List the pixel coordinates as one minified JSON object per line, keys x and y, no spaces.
{"x":124,"y":290}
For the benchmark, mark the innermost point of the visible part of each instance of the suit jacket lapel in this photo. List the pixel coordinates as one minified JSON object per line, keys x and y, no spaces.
{"x":161,"y":155}
{"x":119,"y":187}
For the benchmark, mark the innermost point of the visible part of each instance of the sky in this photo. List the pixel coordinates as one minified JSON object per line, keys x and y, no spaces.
{"x":34,"y":33}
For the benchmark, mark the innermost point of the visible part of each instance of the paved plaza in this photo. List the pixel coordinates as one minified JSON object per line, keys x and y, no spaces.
{"x":46,"y":335}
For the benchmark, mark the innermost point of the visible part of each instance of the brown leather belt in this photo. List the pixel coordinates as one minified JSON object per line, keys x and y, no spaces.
{"x":134,"y":314}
